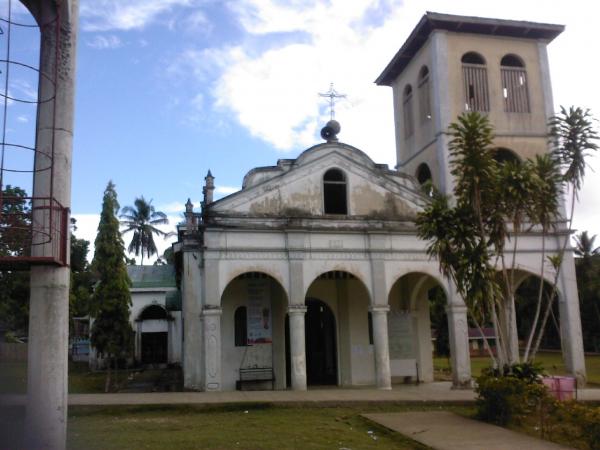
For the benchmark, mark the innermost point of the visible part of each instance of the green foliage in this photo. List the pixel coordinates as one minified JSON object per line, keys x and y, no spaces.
{"x":510,"y":394}
{"x":82,"y":279}
{"x":574,"y":137}
{"x":14,"y":285}
{"x":111,"y":330}
{"x":15,"y":220}
{"x":142,"y":220}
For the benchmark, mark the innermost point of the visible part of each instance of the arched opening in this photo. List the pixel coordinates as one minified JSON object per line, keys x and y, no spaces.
{"x":475,"y":82}
{"x":154,"y":335}
{"x":417,"y":328}
{"x":526,"y":303}
{"x":423,"y":174}
{"x":514,"y":84}
{"x":409,"y":126}
{"x":338,"y":350}
{"x":252,"y":330}
{"x":424,"y":95}
{"x":334,"y":192}
{"x":502,"y":155}
{"x":321,"y":349}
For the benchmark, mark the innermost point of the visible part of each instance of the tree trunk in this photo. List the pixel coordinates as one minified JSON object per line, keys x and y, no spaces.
{"x":538,"y":307}
{"x":107,"y":382}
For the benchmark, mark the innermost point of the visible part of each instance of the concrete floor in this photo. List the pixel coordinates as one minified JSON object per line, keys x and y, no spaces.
{"x":426,"y":392}
{"x":447,"y":431}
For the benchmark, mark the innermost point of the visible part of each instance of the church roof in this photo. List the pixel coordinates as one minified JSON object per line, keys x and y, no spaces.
{"x":462,"y":24}
{"x":152,"y":276}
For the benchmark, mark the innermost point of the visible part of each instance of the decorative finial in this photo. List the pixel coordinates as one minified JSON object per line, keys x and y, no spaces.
{"x":330,"y":131}
{"x":189,"y":206}
{"x":332,"y":94}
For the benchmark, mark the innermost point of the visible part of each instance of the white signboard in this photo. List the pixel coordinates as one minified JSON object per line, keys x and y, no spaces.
{"x":259,"y":312}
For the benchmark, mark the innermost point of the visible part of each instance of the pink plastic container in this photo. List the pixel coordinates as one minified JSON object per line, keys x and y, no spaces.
{"x":562,"y":388}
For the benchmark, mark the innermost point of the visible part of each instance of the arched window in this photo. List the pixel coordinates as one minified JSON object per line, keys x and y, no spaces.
{"x":514,"y":84}
{"x":502,"y":155}
{"x":240,"y":327}
{"x":153,"y":312}
{"x":423,"y":174}
{"x":334,"y":192}
{"x":475,"y":82}
{"x":424,"y":95}
{"x":407,"y":109}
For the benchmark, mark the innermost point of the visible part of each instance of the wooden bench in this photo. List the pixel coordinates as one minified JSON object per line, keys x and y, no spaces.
{"x":255,"y":375}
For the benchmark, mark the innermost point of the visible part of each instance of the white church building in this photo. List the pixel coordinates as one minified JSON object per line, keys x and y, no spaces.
{"x":313,"y":273}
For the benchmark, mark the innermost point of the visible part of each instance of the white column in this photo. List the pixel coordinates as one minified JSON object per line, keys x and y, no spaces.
{"x":380,"y":341}
{"x":192,"y":325}
{"x":211,"y":323}
{"x":297,"y":347}
{"x":459,"y":345}
{"x":570,"y":320}
{"x":46,"y":416}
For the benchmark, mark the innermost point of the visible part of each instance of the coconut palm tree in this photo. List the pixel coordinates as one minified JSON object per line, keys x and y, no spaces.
{"x":585,"y":245}
{"x":142,"y":219}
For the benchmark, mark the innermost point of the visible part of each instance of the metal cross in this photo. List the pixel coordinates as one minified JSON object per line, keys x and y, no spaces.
{"x":332,"y":94}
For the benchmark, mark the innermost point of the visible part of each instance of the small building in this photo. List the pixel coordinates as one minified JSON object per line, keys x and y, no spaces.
{"x":155,"y":314}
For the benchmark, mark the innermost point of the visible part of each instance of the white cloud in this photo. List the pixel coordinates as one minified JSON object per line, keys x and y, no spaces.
{"x":103,"y":15}
{"x":101,"y":42}
{"x":226,"y":190}
{"x":23,"y":119}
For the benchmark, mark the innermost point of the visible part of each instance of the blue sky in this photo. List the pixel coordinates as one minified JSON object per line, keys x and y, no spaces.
{"x":167,"y":89}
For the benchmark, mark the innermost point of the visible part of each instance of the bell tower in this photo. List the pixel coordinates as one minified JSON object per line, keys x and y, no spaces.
{"x":451,"y":64}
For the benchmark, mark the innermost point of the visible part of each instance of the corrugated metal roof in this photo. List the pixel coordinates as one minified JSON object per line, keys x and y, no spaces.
{"x":152,"y":276}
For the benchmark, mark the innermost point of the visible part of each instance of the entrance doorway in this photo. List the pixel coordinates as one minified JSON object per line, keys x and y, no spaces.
{"x":320,"y":332}
{"x":154,"y":348}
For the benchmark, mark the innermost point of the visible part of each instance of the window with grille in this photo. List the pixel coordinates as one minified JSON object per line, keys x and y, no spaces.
{"x":407,"y":108}
{"x":514,"y":84}
{"x":334,"y":192}
{"x":475,"y":82}
{"x":424,"y":95}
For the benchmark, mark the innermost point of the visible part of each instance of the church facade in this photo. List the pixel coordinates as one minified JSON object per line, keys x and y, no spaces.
{"x":313,"y":273}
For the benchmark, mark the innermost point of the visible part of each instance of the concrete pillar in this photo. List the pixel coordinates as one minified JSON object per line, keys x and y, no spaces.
{"x":459,"y":345}
{"x":570,"y":320}
{"x":423,"y":336}
{"x":46,"y":416}
{"x":297,"y":347}
{"x":383,"y":375}
{"x":191,"y":323}
{"x":211,"y":323}
{"x":441,"y":108}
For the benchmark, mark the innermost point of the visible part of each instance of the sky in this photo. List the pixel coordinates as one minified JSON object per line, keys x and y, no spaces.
{"x":168,"y":89}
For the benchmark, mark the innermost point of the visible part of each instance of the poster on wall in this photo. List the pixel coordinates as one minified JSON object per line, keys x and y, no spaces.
{"x":259,"y":312}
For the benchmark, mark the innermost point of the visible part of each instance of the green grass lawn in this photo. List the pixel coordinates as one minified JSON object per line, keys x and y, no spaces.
{"x":13,"y":378}
{"x":550,"y":361}
{"x":235,"y":427}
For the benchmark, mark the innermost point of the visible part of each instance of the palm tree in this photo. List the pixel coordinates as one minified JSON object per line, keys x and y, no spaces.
{"x":585,"y":245}
{"x":142,"y":219}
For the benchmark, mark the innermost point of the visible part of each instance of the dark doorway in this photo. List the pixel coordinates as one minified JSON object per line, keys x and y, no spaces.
{"x":154,"y":348}
{"x":321,"y":358}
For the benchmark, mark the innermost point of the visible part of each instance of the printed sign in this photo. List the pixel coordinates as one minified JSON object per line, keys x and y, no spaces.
{"x":259,"y":312}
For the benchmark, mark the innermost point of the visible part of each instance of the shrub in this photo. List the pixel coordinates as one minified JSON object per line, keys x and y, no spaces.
{"x":507,"y":394}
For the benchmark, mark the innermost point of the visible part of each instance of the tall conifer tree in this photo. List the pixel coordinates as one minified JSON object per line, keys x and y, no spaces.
{"x":111,"y":331}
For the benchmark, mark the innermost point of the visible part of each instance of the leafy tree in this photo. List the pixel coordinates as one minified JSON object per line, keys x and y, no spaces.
{"x":142,"y":219}
{"x":573,"y":138}
{"x":82,"y":279}
{"x":15,"y":219}
{"x":111,"y":330}
{"x":584,"y":246}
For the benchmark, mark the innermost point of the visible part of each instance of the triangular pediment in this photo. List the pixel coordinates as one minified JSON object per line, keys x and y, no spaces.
{"x":296,"y":189}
